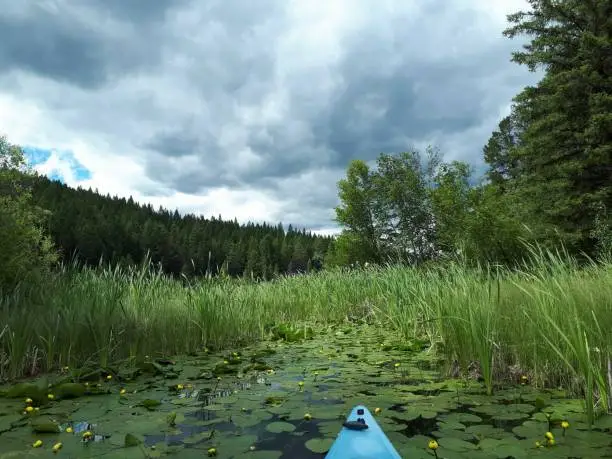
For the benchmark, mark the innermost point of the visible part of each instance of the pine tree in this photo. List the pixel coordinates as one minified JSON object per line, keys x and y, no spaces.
{"x":565,"y":156}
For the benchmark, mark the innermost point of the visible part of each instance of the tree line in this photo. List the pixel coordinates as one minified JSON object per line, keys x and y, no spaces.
{"x":93,"y":227}
{"x":45,"y":222}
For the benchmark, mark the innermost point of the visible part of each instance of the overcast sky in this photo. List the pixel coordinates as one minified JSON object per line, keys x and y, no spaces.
{"x":248,"y":108}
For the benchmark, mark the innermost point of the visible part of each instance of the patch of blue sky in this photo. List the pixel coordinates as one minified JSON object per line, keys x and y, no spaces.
{"x":38,"y":156}
{"x":35,"y":156}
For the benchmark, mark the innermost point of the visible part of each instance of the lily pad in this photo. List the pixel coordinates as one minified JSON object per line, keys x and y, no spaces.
{"x":456,"y":444}
{"x":512,"y":412}
{"x":279,"y":426}
{"x":131,"y":440}
{"x":319,"y":445}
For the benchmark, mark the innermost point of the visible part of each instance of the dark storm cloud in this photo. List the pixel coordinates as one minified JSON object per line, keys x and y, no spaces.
{"x":173,"y":144}
{"x":81,"y":42}
{"x":49,"y":45}
{"x":395,"y":90}
{"x":135,"y":11}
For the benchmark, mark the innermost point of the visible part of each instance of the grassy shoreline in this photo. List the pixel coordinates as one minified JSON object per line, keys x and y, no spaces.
{"x":551,"y":323}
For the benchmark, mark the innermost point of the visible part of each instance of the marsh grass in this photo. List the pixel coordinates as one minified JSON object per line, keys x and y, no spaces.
{"x":551,"y":321}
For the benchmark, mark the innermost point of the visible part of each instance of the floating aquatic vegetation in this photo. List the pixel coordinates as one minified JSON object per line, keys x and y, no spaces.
{"x":271,"y":402}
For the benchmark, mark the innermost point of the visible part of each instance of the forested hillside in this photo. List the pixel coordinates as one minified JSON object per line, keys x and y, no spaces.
{"x":90,"y":227}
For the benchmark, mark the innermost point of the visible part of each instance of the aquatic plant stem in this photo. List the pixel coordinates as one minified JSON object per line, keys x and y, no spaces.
{"x":609,"y":385}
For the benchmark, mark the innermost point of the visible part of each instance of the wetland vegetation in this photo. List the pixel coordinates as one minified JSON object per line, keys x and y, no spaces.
{"x":473,"y":358}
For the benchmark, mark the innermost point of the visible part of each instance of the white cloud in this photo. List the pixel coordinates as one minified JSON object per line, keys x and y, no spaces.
{"x":119,"y":175}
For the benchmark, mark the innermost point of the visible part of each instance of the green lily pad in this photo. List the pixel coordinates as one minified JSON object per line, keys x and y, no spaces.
{"x":69,"y":390}
{"x":512,"y":412}
{"x":507,"y":447}
{"x":131,"y":440}
{"x":319,"y":445}
{"x":531,"y":429}
{"x":463,"y":418}
{"x":456,"y":444}
{"x":481,"y":431}
{"x":45,"y":425}
{"x":279,"y":426}
{"x":604,"y":422}
{"x":149,"y":404}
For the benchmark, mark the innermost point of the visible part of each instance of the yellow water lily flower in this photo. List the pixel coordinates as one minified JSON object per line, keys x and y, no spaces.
{"x":109,"y":377}
{"x":180,"y":386}
{"x":29,"y":409}
{"x":397,"y":365}
{"x":549,"y":436}
{"x":122,"y":392}
{"x":29,"y":401}
{"x":307,"y":416}
{"x":57,"y":447}
{"x":37,"y":444}
{"x":301,"y":383}
{"x":377,"y":410}
{"x":212,"y":452}
{"x":69,"y":430}
{"x":50,"y":396}
{"x":432,"y":444}
{"x":87,"y":434}
{"x":538,"y":444}
{"x":550,"y":442}
{"x":564,"y":424}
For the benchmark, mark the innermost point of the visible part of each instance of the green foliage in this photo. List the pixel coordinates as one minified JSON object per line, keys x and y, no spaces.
{"x":494,"y":228}
{"x":387,"y":213}
{"x":602,"y":232}
{"x":348,"y":248}
{"x":499,"y":151}
{"x":561,"y":162}
{"x":404,"y":218}
{"x":91,"y":228}
{"x":25,"y":251}
{"x":356,"y":214}
{"x":410,"y":210}
{"x":452,"y":203}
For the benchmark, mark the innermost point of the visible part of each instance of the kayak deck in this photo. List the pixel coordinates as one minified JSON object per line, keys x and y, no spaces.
{"x":357,"y":442}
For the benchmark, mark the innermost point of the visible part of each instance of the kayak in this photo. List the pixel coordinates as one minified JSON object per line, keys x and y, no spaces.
{"x":361,"y":438}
